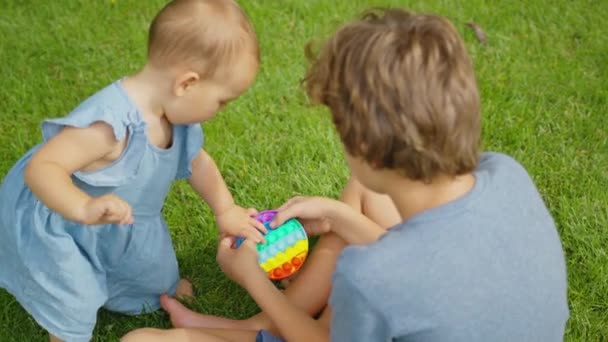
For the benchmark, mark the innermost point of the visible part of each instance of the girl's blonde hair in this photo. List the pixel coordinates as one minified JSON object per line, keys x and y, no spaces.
{"x":200,"y":34}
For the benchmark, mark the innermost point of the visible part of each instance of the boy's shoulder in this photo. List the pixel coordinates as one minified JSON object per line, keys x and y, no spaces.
{"x":496,"y":162}
{"x":506,"y":180}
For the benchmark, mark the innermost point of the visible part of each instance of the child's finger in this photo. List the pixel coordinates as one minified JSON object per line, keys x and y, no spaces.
{"x":284,"y":215}
{"x":112,"y":211}
{"x":259,"y":236}
{"x":231,"y":239}
{"x":224,"y":250}
{"x":250,"y":244}
{"x":258,"y":225}
{"x":252,"y":212}
{"x":226,"y":242}
{"x":225,"y":247}
{"x":289,"y":203}
{"x":122,"y":211}
{"x":120,"y":214}
{"x":253,"y":234}
{"x":129,"y":215}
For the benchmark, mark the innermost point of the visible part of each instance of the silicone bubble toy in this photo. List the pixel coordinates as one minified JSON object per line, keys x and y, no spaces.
{"x":285,"y":248}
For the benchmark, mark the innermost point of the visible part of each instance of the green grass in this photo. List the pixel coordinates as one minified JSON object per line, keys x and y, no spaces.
{"x":543,"y":82}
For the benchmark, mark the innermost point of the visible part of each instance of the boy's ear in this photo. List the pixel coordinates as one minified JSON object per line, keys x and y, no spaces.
{"x":374,"y":164}
{"x":184,"y":81}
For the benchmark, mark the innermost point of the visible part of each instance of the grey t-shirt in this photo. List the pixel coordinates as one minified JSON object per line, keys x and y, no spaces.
{"x":488,"y":266}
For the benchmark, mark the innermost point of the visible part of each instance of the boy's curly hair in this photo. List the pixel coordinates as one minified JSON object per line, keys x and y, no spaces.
{"x":201,"y":35}
{"x":402,"y":93}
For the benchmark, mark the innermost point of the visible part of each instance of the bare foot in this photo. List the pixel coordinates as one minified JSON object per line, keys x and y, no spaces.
{"x":182,"y":317}
{"x":184,"y":290}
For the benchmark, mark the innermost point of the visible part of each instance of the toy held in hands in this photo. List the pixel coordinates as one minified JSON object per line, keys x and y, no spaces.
{"x":285,"y":248}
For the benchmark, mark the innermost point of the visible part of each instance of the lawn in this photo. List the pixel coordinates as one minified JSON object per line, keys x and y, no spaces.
{"x":544,"y":82}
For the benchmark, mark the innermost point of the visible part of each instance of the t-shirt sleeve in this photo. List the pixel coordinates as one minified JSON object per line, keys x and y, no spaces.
{"x":119,"y":172}
{"x":354,"y":317}
{"x":192,"y":143}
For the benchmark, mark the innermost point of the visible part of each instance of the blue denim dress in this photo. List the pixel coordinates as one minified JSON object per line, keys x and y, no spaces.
{"x":61,"y":271}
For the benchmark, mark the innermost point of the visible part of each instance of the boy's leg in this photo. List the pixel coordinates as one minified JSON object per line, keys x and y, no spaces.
{"x":188,"y":335}
{"x":310,"y":289}
{"x":204,"y":334}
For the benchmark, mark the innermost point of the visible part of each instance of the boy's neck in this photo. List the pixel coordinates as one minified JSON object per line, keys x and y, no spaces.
{"x":146,"y":89}
{"x":414,"y":197}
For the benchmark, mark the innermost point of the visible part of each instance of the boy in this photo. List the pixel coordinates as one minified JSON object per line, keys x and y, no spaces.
{"x":476,"y":257}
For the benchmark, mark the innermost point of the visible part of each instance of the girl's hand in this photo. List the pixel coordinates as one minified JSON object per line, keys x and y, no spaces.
{"x":240,"y":264}
{"x":238,"y":221}
{"x":313,"y":213}
{"x":107,"y":209}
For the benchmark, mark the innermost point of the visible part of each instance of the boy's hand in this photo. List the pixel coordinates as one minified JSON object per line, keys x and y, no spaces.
{"x":107,"y":209}
{"x":238,"y":221}
{"x":313,"y":213}
{"x":239,"y":264}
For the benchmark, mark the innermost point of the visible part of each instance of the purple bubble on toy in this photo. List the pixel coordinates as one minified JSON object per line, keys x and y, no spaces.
{"x":264,"y":217}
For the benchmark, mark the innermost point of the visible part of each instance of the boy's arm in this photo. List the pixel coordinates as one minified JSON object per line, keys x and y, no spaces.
{"x":351,"y":225}
{"x":293,"y":323}
{"x":241,"y":265}
{"x":48,"y":173}
{"x":232,"y":219}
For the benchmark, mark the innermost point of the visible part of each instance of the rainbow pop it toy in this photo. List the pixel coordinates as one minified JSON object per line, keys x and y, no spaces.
{"x":285,"y":249}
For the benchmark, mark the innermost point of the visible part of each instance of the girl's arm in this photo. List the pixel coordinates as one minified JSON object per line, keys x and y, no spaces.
{"x":232,"y":219}
{"x":48,"y":174}
{"x":208,"y":182}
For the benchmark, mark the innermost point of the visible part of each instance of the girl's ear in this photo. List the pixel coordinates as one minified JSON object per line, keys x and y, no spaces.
{"x":184,"y":81}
